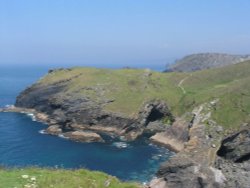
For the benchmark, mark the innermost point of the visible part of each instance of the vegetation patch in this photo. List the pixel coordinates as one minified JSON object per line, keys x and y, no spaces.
{"x":58,"y":178}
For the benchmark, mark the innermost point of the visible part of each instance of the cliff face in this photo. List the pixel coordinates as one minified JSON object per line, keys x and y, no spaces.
{"x":202,"y":61}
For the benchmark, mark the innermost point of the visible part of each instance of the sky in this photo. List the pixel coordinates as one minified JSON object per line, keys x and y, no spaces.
{"x":120,"y":32}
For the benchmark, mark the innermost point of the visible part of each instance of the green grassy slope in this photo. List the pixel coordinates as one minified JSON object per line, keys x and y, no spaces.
{"x":46,"y":178}
{"x":129,"y":89}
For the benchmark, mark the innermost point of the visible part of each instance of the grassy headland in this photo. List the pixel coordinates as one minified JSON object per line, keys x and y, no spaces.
{"x":128,"y":89}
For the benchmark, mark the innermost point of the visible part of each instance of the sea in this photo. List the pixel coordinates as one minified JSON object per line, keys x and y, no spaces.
{"x":23,"y":142}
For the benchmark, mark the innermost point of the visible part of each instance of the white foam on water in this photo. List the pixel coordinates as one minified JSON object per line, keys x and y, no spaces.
{"x":62,"y":136}
{"x":9,"y":106}
{"x":120,"y":144}
{"x":43,"y":131}
{"x":33,"y":117}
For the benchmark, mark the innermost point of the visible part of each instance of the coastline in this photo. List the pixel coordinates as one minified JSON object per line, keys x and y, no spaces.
{"x":83,"y":133}
{"x":44,"y":118}
{"x":195,"y":163}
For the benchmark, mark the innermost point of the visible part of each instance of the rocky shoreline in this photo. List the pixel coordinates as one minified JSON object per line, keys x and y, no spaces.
{"x":85,"y":133}
{"x":54,"y":128}
{"x":206,"y":155}
{"x":197,"y":162}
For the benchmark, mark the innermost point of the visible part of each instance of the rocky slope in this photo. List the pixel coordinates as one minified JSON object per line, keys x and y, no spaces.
{"x":83,"y":103}
{"x":206,"y":61}
{"x":207,"y":159}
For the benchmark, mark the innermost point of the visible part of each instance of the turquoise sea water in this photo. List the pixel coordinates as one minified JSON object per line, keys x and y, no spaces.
{"x":22,"y":144}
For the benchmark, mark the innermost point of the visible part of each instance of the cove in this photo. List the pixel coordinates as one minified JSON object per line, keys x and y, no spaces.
{"x":22,"y":145}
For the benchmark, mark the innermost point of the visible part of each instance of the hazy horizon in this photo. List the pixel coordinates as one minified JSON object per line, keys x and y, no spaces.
{"x":120,"y":33}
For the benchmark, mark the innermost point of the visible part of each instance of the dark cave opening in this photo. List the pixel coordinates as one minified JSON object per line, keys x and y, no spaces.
{"x":222,"y":152}
{"x":154,"y":115}
{"x":225,"y":153}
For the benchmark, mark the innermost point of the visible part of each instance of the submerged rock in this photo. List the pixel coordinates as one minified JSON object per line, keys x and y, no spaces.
{"x":83,"y":136}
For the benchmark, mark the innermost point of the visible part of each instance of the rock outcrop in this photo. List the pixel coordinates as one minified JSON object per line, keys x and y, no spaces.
{"x":197,"y":165}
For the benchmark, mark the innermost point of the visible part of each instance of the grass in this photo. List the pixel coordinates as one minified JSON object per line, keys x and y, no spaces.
{"x":58,"y":178}
{"x":129,"y":89}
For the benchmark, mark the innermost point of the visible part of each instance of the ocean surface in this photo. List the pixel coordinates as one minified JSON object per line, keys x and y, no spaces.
{"x":23,"y":144}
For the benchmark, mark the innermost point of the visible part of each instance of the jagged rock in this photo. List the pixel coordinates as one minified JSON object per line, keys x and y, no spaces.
{"x":236,"y":147}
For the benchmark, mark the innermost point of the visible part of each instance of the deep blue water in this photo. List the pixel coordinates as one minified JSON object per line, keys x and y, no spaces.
{"x":21,"y":144}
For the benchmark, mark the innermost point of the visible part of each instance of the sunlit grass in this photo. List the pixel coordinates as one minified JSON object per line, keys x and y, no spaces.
{"x":58,"y":178}
{"x":129,"y":89}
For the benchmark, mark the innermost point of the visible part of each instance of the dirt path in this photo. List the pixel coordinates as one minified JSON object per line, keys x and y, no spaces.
{"x":180,"y":84}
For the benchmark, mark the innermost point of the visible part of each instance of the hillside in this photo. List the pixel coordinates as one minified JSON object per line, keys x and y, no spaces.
{"x":203,"y":61}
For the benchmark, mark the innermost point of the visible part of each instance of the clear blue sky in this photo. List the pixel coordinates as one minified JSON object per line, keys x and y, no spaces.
{"x":122,"y":32}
